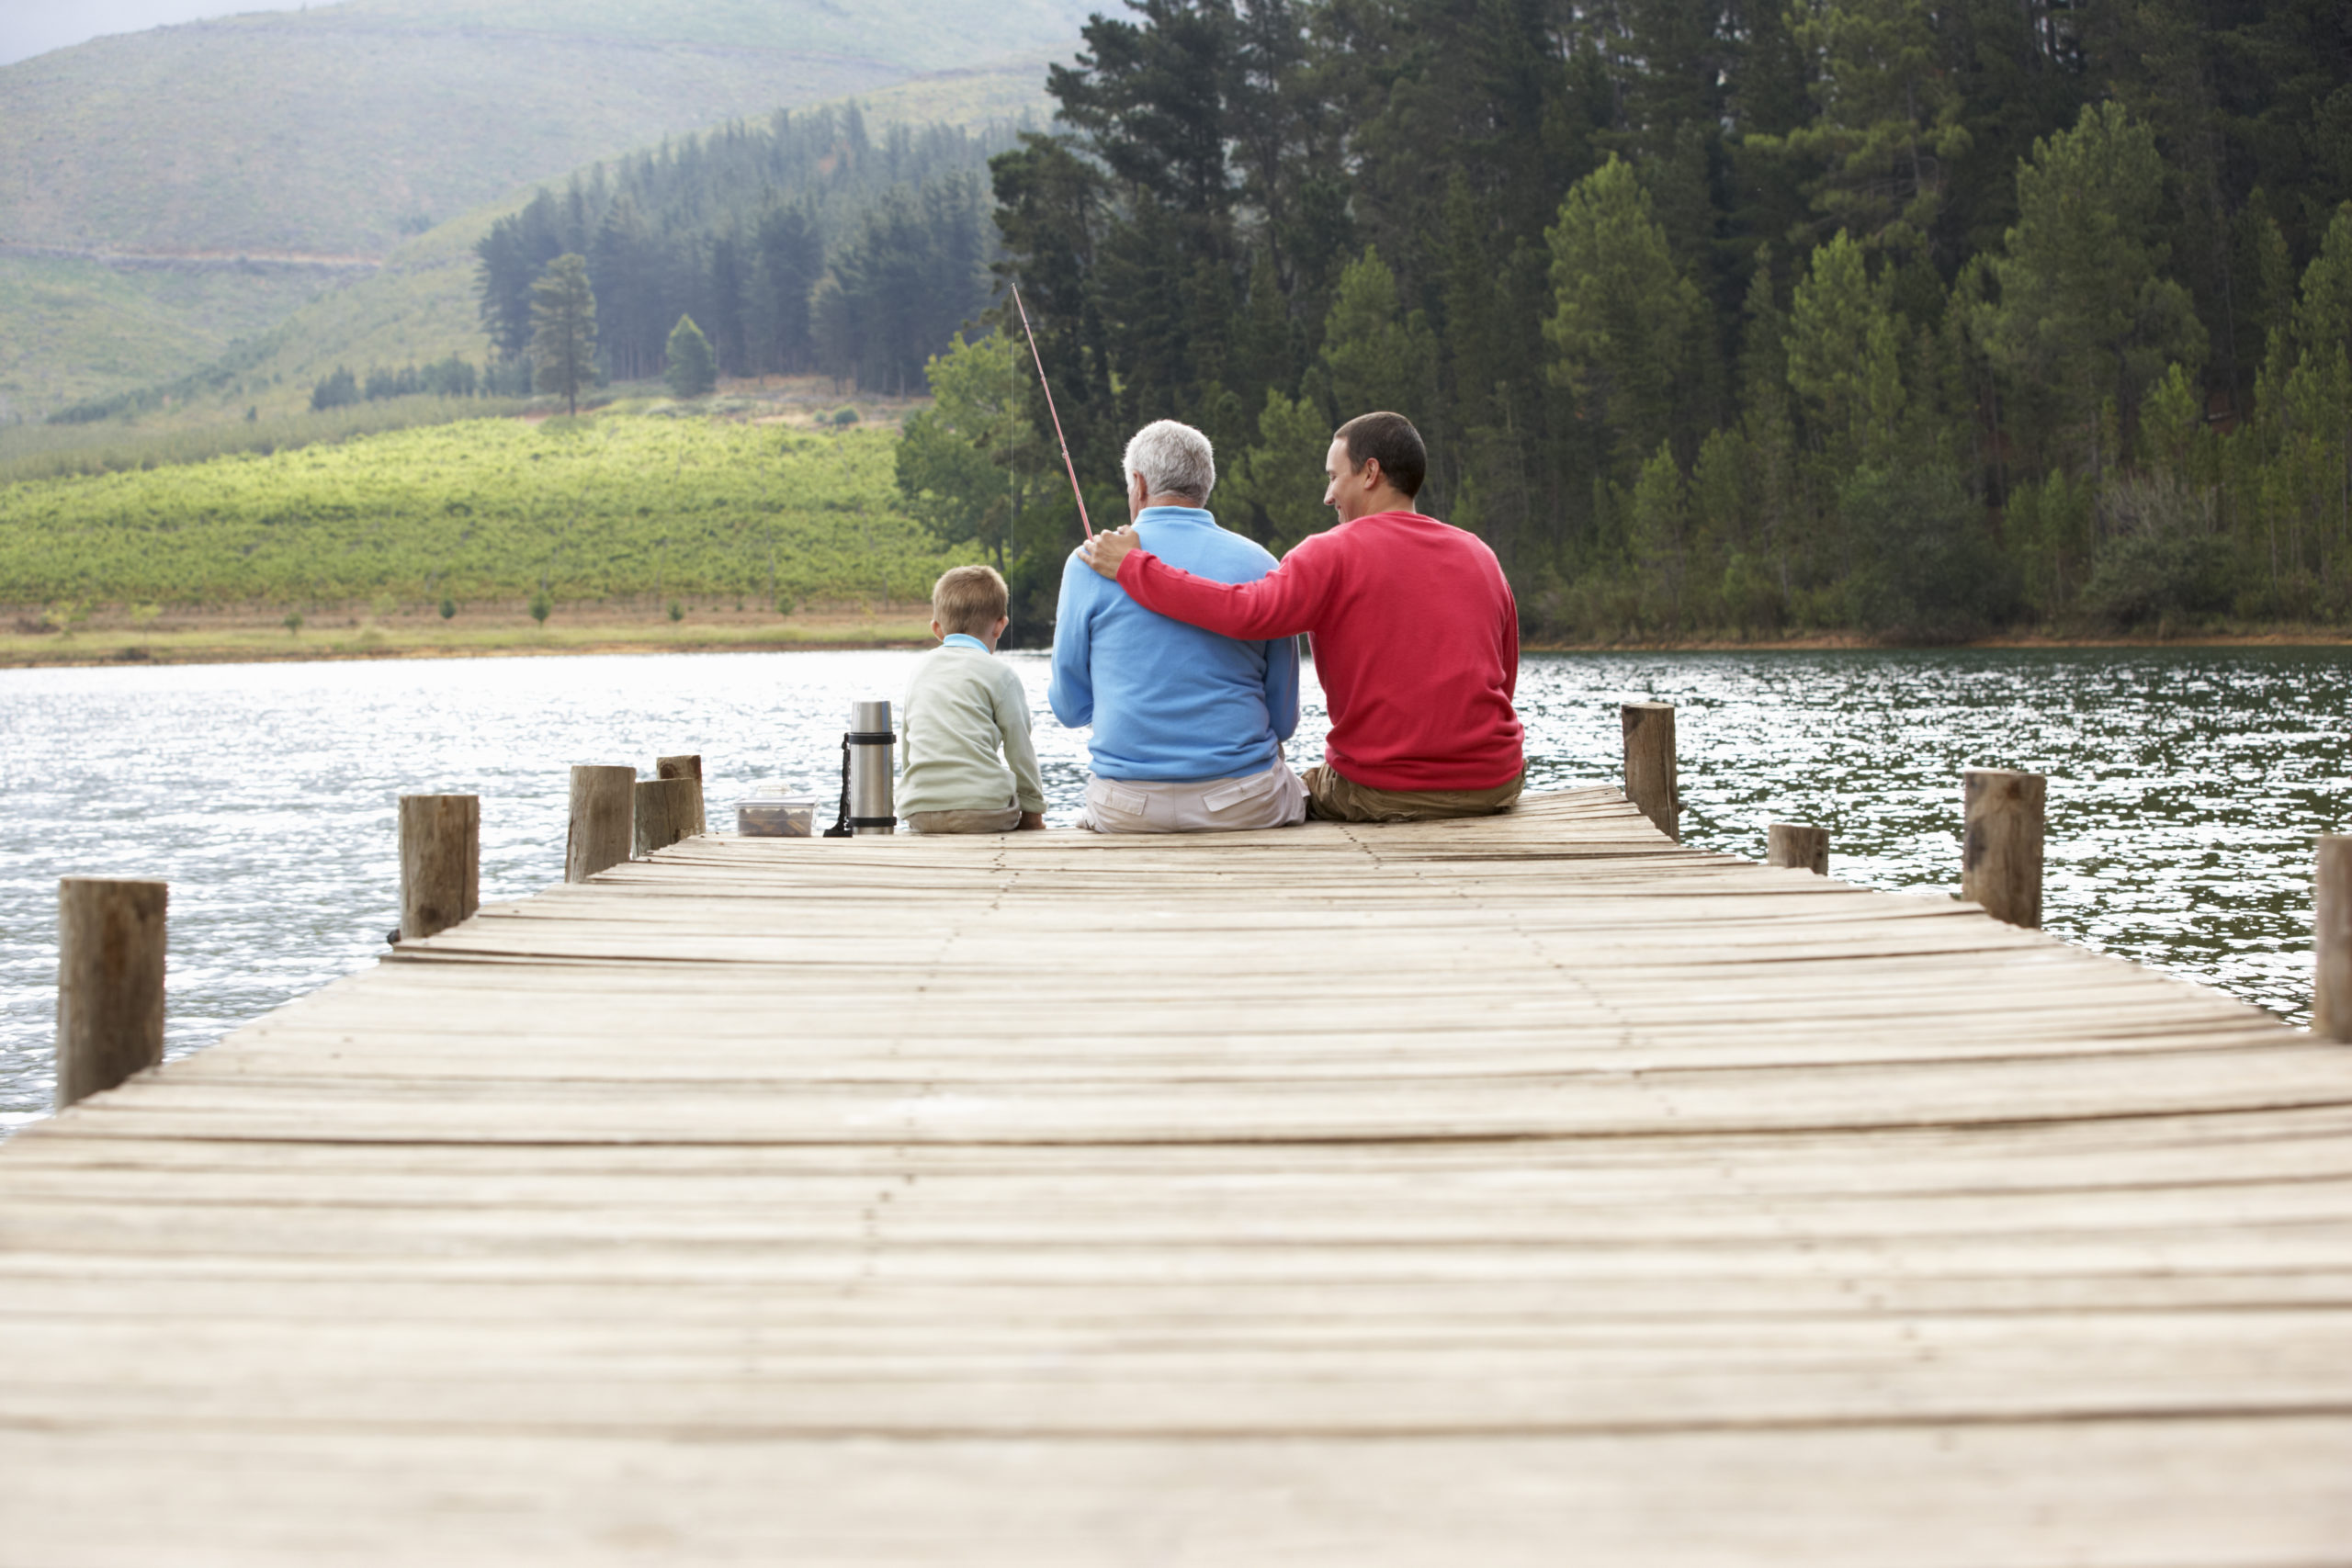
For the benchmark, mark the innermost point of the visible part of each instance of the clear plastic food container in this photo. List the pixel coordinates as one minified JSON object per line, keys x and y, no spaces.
{"x":776,"y":812}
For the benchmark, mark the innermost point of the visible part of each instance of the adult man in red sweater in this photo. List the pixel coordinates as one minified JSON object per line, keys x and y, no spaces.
{"x":1416,"y":636}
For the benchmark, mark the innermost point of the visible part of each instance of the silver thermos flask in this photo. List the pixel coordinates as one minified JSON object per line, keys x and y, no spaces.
{"x":872,"y":808}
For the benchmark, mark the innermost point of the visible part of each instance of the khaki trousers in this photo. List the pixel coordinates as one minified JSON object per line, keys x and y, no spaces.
{"x":1272,"y":799}
{"x":1332,"y":798}
{"x":1003,"y":819}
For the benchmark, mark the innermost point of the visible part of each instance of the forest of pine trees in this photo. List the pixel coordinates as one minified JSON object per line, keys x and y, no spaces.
{"x":1748,"y":318}
{"x":803,"y":245}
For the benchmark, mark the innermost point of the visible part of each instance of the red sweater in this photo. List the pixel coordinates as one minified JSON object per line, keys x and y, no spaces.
{"x":1415,"y":642}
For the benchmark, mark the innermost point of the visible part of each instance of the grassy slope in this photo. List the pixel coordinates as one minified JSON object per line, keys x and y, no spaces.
{"x":33,"y":452}
{"x":74,"y":329}
{"x":321,"y":131}
{"x":599,"y":508}
{"x":421,"y":306}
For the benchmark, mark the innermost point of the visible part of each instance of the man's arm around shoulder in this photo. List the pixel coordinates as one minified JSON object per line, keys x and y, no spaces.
{"x":1283,"y":602}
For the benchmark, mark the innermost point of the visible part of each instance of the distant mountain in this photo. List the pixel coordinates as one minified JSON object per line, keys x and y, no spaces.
{"x":163,"y":193}
{"x":294,"y":325}
{"x":341,"y":130}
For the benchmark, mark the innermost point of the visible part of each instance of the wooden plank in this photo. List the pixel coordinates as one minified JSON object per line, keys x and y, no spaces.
{"x":2125,"y":1492}
{"x":1462,"y":1192}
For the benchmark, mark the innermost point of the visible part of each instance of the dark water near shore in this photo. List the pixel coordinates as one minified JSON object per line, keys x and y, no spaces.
{"x":2186,"y":787}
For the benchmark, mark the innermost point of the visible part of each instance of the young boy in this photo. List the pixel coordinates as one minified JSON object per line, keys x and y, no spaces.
{"x":961,"y":707}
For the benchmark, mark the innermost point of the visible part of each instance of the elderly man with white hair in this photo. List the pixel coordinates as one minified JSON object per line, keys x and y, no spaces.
{"x":1189,"y":726}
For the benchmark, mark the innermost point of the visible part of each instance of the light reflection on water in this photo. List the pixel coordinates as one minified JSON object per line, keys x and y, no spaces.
{"x":2186,"y":787}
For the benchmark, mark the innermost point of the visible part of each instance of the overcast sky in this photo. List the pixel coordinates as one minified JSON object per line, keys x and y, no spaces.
{"x":35,"y":27}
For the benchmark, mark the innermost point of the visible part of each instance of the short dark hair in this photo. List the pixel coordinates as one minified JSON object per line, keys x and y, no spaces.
{"x":1390,"y":437}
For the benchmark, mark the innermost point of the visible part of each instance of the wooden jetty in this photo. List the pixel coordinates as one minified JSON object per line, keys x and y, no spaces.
{"x":1516,"y":1191}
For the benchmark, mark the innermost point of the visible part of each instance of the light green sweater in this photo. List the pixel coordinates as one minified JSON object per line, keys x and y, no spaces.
{"x":961,"y":705}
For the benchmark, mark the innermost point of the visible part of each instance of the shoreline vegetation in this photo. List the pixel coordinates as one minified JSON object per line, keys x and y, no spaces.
{"x":756,"y":520}
{"x":764,"y":518}
{"x":260,"y":634}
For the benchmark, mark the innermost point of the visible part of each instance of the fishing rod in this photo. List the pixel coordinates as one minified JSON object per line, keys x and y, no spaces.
{"x":1049,"y":390}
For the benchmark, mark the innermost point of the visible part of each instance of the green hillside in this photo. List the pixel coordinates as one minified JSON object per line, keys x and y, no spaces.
{"x":418,"y":307}
{"x":349,"y":132}
{"x":488,"y":508}
{"x":338,"y":130}
{"x":74,"y":329}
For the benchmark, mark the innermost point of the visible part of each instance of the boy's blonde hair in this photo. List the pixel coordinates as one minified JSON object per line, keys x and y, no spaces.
{"x":970,"y":599}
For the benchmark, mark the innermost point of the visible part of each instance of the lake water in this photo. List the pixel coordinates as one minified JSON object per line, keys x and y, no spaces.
{"x":2186,"y":787}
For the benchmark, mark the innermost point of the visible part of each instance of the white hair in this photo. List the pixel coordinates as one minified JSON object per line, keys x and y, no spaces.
{"x":1174,"y":459}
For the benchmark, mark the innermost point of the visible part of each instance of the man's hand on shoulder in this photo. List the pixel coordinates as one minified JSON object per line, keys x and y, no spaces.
{"x":1106,"y":550}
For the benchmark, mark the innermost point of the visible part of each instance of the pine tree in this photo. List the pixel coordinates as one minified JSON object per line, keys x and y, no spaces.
{"x":1727,"y":579}
{"x":2086,"y":314}
{"x":1888,"y":118}
{"x":2308,"y":419}
{"x":1768,"y":432}
{"x":729,"y":301}
{"x":563,"y":330}
{"x":788,"y":259}
{"x":628,"y":271}
{"x":338,"y":390}
{"x":1276,"y":488}
{"x":692,"y":371}
{"x":1657,"y":535}
{"x":1622,"y":314}
{"x":1374,"y":356}
{"x":1050,"y":210}
{"x":1845,"y":345}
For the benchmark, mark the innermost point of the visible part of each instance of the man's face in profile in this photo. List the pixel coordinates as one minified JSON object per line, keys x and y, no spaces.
{"x":1335,"y":470}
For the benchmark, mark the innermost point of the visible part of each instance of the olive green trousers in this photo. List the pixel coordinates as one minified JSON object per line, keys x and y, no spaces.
{"x":1333,"y":798}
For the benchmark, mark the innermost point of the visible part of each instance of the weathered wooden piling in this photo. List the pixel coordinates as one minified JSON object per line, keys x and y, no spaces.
{"x":1799,"y":846}
{"x":604,"y":812}
{"x":1650,"y":781}
{"x":440,"y":861}
{"x":2000,"y":865}
{"x":2332,"y":990}
{"x":668,"y":809}
{"x":109,"y":983}
{"x":687,"y":767}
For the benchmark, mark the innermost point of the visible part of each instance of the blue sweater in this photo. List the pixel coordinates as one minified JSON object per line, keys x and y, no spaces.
{"x":1170,"y":701}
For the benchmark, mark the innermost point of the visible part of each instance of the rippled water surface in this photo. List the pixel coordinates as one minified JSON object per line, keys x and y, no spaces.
{"x":2185,"y":789}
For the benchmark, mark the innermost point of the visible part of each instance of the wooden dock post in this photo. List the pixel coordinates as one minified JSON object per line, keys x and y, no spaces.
{"x":667,"y":810}
{"x":1650,"y":781}
{"x":2000,"y":865}
{"x":2331,"y":993}
{"x":688,"y":767}
{"x":109,"y":983}
{"x":1796,"y":845}
{"x":604,"y":812}
{"x":440,"y":861}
